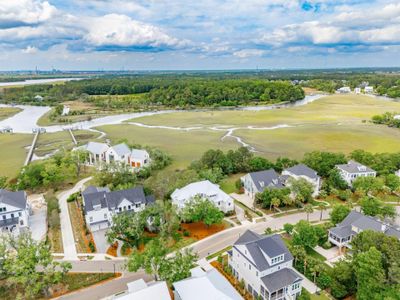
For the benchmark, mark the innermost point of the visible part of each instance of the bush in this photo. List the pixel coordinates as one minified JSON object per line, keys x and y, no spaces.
{"x":186,"y":233}
{"x":92,"y":247}
{"x":268,"y":230}
{"x":327,"y":245}
{"x":288,"y":228}
{"x":305,"y":295}
{"x":73,"y":197}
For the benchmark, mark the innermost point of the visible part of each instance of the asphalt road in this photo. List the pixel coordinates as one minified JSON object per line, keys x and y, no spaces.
{"x":204,"y":247}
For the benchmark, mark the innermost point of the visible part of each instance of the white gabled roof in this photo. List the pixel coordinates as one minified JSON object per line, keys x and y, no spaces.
{"x":204,"y":187}
{"x":96,"y":148}
{"x":140,"y":290}
{"x":121,"y":149}
{"x":212,"y":285}
{"x":139,"y":154}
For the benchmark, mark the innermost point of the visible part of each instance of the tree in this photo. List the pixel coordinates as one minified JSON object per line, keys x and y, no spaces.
{"x":127,"y":227}
{"x":321,"y":208}
{"x":79,"y":157}
{"x":370,"y":274}
{"x":339,"y":213}
{"x":258,"y":163}
{"x":275,"y":202}
{"x":265,"y":198}
{"x":323,"y":162}
{"x":178,"y":267}
{"x":30,"y":264}
{"x":343,"y":279}
{"x":200,"y":209}
{"x":298,"y":252}
{"x":335,"y":180}
{"x":392,"y":181}
{"x":308,"y":209}
{"x":368,"y":184}
{"x":288,"y":228}
{"x":302,"y":189}
{"x":304,"y":235}
{"x":151,"y":259}
{"x":372,"y":206}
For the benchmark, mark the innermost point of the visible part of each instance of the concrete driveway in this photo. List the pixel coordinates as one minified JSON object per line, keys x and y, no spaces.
{"x":37,"y":221}
{"x":100,"y":239}
{"x":246,"y":200}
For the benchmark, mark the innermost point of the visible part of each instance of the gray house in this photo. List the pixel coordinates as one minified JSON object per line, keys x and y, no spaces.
{"x":352,"y":170}
{"x":14,"y":211}
{"x":265,"y":265}
{"x":342,"y":234}
{"x":101,"y":205}
{"x":257,"y":182}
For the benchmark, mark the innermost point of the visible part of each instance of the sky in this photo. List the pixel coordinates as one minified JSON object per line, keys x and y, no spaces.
{"x":201,"y":34}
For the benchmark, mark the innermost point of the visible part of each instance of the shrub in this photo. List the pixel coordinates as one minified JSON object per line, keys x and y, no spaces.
{"x":268,"y":230}
{"x":186,"y":233}
{"x":327,"y":245}
{"x":73,"y":197}
{"x":288,"y":228}
{"x":92,"y":247}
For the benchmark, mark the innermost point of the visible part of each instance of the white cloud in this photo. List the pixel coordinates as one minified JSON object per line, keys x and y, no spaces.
{"x":122,"y":31}
{"x":245,"y":53}
{"x":14,"y":12}
{"x":30,"y":50}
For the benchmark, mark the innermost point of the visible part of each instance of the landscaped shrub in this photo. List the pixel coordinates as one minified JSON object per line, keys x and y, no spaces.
{"x":327,"y":245}
{"x":186,"y":233}
{"x":73,"y":197}
{"x":92,"y":247}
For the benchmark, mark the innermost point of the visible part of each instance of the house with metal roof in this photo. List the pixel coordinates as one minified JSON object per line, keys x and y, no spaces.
{"x":352,"y":170}
{"x":141,"y":290}
{"x":205,"y":189}
{"x":257,"y":182}
{"x":101,"y":204}
{"x":210,"y":285}
{"x":14,"y":211}
{"x":100,"y":153}
{"x":342,"y":234}
{"x":302,"y":171}
{"x":266,"y":266}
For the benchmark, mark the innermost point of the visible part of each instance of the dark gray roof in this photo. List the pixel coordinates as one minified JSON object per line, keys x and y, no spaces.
{"x":303,"y":170}
{"x":17,"y":199}
{"x":280,"y":279}
{"x":272,"y":245}
{"x":92,"y":189}
{"x":363,"y":222}
{"x":354,"y":167}
{"x":266,"y":179}
{"x":113,"y":199}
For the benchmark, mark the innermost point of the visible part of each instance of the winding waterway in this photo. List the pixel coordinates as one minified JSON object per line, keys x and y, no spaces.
{"x":26,"y":120}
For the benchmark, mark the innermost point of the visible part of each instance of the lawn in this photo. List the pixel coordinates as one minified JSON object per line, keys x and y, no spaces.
{"x":228,"y":185}
{"x":6,"y":112}
{"x":13,"y":152}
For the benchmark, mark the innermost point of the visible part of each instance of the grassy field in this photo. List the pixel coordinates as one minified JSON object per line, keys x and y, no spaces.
{"x":183,"y":146}
{"x":13,"y":152}
{"x":333,"y":123}
{"x":6,"y":112}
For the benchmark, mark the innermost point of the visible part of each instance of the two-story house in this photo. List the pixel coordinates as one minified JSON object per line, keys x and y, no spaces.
{"x":265,"y":265}
{"x":204,"y":189}
{"x":100,"y":205}
{"x":14,"y":211}
{"x":342,"y":234}
{"x":257,"y":182}
{"x":101,"y":153}
{"x":352,"y":170}
{"x":305,"y":172}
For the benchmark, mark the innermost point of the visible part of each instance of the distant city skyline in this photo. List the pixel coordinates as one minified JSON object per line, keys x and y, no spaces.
{"x":204,"y":35}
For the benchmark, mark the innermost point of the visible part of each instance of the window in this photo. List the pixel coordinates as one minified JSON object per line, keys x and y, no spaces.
{"x":20,"y":214}
{"x":12,"y":215}
{"x":105,"y":216}
{"x":277,"y":259}
{"x":129,"y":207}
{"x":120,"y":209}
{"x":4,"y":217}
{"x":21,"y":223}
{"x":295,"y":286}
{"x":249,"y":266}
{"x":91,"y":219}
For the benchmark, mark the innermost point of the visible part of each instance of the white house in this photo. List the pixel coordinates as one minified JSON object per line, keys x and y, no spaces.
{"x":204,"y":189}
{"x":357,"y":90}
{"x":302,"y":171}
{"x":14,"y":211}
{"x":352,"y":170}
{"x":369,"y":89}
{"x":257,"y":182}
{"x":38,"y":98}
{"x":265,"y":265}
{"x":66,"y":110}
{"x":140,"y":290}
{"x":342,"y":234}
{"x":100,"y":205}
{"x":344,"y":90}
{"x":210,"y":285}
{"x":100,"y":153}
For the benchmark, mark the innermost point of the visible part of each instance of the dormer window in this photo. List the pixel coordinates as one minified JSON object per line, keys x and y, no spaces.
{"x":277,"y":259}
{"x":261,"y":183}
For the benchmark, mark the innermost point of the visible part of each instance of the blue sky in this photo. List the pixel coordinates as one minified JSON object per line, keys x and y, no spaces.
{"x":202,"y":34}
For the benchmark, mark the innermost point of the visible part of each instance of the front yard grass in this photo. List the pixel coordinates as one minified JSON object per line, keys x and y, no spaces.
{"x":13,"y":153}
{"x":50,"y":142}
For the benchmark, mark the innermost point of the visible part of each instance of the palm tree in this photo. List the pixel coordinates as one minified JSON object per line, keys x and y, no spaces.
{"x":316,"y":269}
{"x":321,"y":207}
{"x":298,"y":253}
{"x":308,"y":209}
